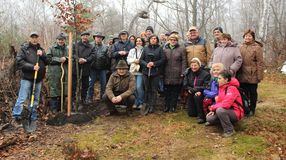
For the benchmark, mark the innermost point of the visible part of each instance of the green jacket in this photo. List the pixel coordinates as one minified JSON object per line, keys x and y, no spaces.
{"x":120,"y":85}
{"x":54,"y":72}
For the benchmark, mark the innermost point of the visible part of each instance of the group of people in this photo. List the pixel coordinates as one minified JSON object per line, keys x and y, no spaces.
{"x":132,"y":69}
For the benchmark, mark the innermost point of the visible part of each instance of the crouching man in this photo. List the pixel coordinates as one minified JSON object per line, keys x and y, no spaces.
{"x":120,"y":89}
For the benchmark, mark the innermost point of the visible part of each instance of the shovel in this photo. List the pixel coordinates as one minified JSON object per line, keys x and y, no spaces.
{"x":62,"y":87}
{"x":29,"y":125}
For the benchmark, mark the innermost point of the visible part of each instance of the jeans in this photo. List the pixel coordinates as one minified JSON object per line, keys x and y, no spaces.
{"x":139,"y":93}
{"x":26,"y":87}
{"x":92,"y":79}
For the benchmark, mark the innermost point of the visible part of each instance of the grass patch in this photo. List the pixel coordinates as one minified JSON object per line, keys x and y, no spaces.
{"x":251,"y":147}
{"x":177,"y":136}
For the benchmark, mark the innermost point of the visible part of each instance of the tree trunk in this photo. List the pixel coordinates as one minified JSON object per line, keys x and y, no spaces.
{"x":195,"y":12}
{"x":264,"y":20}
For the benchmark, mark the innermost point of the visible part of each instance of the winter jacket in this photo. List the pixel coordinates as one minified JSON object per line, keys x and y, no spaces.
{"x":26,"y":60}
{"x":152,"y":53}
{"x":120,"y":85}
{"x":120,"y":46}
{"x":228,"y":55}
{"x":102,"y":60}
{"x":199,"y":48}
{"x":196,"y":81}
{"x":229,"y":99}
{"x":135,"y":53}
{"x":252,"y":67}
{"x":175,"y":64}
{"x":212,"y":92}
{"x":54,"y":72}
{"x":87,"y":51}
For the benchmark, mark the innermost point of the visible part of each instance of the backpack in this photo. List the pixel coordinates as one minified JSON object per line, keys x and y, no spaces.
{"x":245,"y":101}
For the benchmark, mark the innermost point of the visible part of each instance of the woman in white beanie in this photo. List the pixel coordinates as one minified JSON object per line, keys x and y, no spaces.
{"x":195,"y":81}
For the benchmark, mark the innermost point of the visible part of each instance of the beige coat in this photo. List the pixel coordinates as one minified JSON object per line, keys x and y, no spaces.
{"x":253,"y":65}
{"x":120,"y":85}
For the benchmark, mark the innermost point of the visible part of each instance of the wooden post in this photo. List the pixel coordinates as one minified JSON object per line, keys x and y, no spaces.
{"x":70,"y":75}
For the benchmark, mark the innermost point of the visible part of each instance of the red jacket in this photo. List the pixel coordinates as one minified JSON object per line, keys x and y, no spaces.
{"x":227,"y":100}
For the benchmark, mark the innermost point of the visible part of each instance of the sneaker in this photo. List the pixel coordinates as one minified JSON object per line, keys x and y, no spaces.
{"x":16,"y":123}
{"x":140,"y":106}
{"x":134,"y":106}
{"x":228,"y":134}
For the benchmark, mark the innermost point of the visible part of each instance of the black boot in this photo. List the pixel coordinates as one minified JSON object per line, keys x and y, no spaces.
{"x":54,"y":104}
{"x":151,"y":109}
{"x":167,"y":108}
{"x":173,"y":109}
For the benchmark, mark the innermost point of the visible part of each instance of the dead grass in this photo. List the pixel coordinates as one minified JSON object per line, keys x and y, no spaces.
{"x":176,"y":136}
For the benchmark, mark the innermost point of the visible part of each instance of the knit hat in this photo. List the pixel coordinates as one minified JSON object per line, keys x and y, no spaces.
{"x":150,"y":28}
{"x":99,"y":34}
{"x":62,"y":36}
{"x":174,"y":36}
{"x":85,"y":33}
{"x":218,"y":28}
{"x":121,"y":65}
{"x":196,"y":60}
{"x":123,"y":32}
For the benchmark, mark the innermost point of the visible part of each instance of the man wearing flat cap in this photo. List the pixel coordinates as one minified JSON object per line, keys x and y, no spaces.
{"x":57,"y":56}
{"x":27,"y":58}
{"x":121,"y":48}
{"x":197,"y":46}
{"x":120,"y":88}
{"x":84,"y":55}
{"x":99,"y":66}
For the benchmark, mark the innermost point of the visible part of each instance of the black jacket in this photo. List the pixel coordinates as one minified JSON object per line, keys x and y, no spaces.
{"x":102,"y":60}
{"x":120,"y":46}
{"x":87,"y":51}
{"x":196,"y":81}
{"x":152,"y":53}
{"x":27,"y":59}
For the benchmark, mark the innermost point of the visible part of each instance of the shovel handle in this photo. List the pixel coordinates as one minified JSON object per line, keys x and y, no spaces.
{"x":34,"y":84}
{"x":62,"y":87}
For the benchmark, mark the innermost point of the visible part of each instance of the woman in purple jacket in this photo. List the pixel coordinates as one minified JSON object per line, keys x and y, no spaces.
{"x":228,"y":54}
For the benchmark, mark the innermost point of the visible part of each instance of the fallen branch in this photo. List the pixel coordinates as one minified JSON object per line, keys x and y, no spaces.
{"x":8,"y":142}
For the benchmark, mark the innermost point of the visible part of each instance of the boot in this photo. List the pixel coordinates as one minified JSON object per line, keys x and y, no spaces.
{"x":173,"y":109}
{"x":151,"y":109}
{"x":54,"y":104}
{"x":167,"y":108}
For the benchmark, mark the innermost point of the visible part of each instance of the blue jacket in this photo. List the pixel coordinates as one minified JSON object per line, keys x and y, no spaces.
{"x":213,"y":90}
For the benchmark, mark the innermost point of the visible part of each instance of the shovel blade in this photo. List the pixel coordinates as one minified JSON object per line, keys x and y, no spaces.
{"x":29,"y":126}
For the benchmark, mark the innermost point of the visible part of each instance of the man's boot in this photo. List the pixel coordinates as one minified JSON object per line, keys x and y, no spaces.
{"x":54,"y":104}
